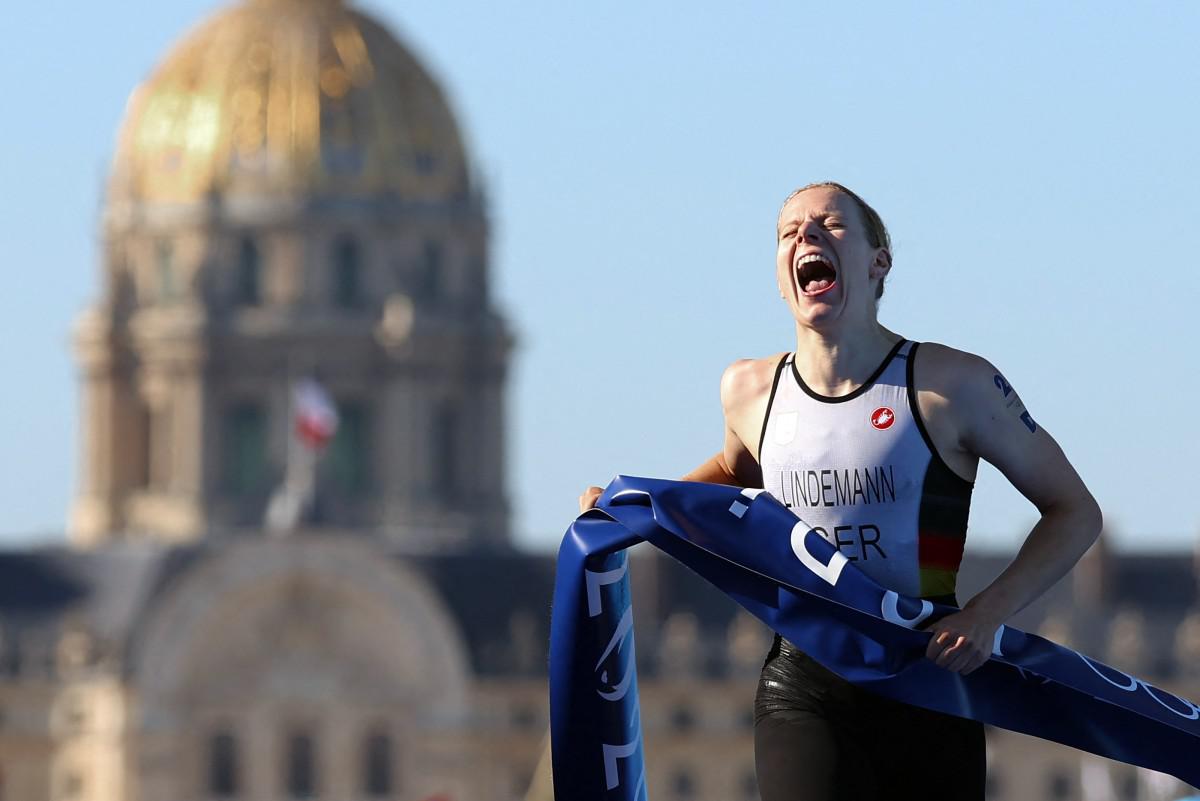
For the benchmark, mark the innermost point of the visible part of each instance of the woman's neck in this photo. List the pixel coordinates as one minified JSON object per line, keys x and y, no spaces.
{"x":837,"y":363}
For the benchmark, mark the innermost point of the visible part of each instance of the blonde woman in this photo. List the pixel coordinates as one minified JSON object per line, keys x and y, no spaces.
{"x":874,"y":440}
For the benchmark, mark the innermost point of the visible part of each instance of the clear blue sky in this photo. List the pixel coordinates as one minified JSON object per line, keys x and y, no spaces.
{"x":1037,"y":165}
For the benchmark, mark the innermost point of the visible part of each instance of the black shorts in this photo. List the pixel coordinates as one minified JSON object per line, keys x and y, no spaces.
{"x":819,"y":737}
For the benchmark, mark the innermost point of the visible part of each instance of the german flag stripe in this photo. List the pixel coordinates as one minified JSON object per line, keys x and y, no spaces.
{"x":940,"y":552}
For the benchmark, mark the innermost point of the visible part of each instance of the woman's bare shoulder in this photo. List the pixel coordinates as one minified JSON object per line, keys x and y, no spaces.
{"x":747,"y":380}
{"x":945,"y":369}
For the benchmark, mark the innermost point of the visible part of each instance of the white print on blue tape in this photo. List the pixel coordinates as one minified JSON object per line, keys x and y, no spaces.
{"x":614,"y":752}
{"x":889,"y":608}
{"x":1193,"y":712}
{"x":623,"y":631}
{"x":891,"y":611}
{"x":1027,"y":676}
{"x":738,"y":508}
{"x":829,"y":572}
{"x":595,"y":580}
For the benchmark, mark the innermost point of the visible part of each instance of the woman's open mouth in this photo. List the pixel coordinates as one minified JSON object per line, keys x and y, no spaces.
{"x":815,"y":275}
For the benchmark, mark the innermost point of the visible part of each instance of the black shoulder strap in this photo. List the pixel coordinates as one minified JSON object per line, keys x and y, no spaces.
{"x":770,"y":399}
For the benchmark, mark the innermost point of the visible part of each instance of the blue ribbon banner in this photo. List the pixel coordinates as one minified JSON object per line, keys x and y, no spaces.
{"x":756,"y":551}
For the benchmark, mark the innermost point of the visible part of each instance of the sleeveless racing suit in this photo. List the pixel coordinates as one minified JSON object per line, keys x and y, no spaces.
{"x":862,"y":470}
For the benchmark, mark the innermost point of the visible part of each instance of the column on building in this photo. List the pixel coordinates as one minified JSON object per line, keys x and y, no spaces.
{"x":96,"y":509}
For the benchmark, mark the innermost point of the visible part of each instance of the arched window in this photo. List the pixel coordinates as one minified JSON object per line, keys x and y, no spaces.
{"x":1127,"y":787}
{"x":1058,"y":784}
{"x":72,"y":784}
{"x":683,"y":784}
{"x":444,"y":456}
{"x":248,"y":290}
{"x":749,"y":783}
{"x":524,"y":717}
{"x":349,"y":453}
{"x":377,"y":779}
{"x":300,"y":770}
{"x":222,"y":765}
{"x":347,"y":273}
{"x":993,"y":785}
{"x":522,"y":779}
{"x":683,"y":720}
{"x":244,"y":448}
{"x":425,"y":162}
{"x":431,"y":270}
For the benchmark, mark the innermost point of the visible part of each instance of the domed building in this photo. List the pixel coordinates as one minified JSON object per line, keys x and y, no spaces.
{"x":291,"y":202}
{"x":290,"y":198}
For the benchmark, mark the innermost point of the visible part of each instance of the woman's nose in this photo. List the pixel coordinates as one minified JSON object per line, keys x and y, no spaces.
{"x":809,"y":231}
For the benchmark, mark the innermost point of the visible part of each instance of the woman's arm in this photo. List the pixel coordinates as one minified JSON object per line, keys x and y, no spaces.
{"x":994,"y":425}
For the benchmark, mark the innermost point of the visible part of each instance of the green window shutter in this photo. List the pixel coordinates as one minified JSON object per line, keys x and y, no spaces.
{"x":347,"y":274}
{"x":348,"y":457}
{"x":245,"y":451}
{"x":248,"y":289}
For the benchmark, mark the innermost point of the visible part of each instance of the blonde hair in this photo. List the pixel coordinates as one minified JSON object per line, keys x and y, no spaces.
{"x":877,"y":232}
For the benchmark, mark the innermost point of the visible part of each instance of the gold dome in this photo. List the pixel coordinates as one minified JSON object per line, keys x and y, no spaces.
{"x":286,"y":98}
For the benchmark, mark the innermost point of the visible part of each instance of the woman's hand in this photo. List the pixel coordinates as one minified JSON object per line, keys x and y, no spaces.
{"x":962,"y":641}
{"x":589,"y":497}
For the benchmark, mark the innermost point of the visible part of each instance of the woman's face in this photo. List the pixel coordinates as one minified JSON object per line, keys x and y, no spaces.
{"x":826,"y":268}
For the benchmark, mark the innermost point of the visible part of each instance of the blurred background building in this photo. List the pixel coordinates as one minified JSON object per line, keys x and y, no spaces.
{"x":291,"y":198}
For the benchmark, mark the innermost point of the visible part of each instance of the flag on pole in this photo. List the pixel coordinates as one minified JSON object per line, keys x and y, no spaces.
{"x":315,"y":416}
{"x":314,"y":424}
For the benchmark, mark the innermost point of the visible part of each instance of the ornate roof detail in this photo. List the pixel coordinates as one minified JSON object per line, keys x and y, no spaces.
{"x":288,"y":98}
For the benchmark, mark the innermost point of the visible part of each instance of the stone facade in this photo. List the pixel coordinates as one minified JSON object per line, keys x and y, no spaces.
{"x":290,"y":197}
{"x":315,"y":666}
